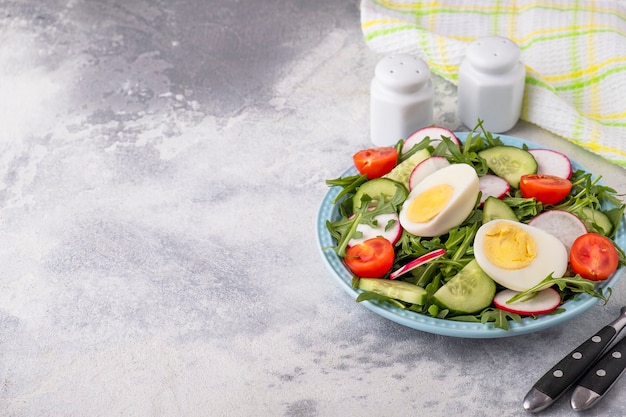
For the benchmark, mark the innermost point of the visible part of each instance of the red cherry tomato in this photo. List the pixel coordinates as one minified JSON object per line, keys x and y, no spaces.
{"x":372,"y":258}
{"x":547,"y":189}
{"x":375,"y":162}
{"x":593,"y":256}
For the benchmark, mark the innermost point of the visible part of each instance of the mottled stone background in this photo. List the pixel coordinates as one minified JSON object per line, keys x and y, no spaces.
{"x":161,"y":168}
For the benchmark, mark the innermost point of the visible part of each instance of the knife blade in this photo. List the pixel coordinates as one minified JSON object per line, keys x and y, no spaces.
{"x":600,"y":378}
{"x":569,"y":369}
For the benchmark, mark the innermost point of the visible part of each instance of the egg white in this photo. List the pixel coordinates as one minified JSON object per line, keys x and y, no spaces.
{"x":551,"y":258}
{"x":464,"y":182}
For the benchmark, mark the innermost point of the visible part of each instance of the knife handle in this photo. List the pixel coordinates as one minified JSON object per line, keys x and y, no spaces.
{"x":562,"y":375}
{"x":606,"y":371}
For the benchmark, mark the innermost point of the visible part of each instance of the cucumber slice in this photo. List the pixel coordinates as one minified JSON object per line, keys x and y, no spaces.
{"x":469,"y":291}
{"x":494,"y":208}
{"x":399,"y":290}
{"x":377,"y":187}
{"x":595,"y":220}
{"x":402,"y":171}
{"x":509,"y":162}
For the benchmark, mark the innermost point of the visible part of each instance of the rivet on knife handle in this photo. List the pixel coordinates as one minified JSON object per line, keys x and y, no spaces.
{"x":562,"y":375}
{"x":600,"y":378}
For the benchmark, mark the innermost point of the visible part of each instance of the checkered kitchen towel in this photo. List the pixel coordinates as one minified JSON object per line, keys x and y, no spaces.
{"x":574,"y":52}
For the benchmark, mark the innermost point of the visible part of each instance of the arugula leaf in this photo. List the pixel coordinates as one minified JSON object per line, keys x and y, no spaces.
{"x":587,"y":192}
{"x":349,"y":184}
{"x":615,"y":215}
{"x":524,"y":208}
{"x":567,"y":285}
{"x":372,"y":296}
{"x":500,"y":318}
{"x":466,"y":155}
{"x":411,"y":246}
{"x":423,"y":144}
{"x":491,"y":140}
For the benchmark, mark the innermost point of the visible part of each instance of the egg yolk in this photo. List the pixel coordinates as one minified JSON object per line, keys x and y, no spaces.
{"x":508,"y":246}
{"x":429,"y":204}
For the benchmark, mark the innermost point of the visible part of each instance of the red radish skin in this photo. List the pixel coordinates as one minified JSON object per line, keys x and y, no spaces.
{"x":492,"y":186}
{"x":425,"y":168}
{"x":417,"y":262}
{"x":551,"y":162}
{"x":368,"y":232}
{"x":562,"y":224}
{"x":545,"y":301}
{"x":433,"y":132}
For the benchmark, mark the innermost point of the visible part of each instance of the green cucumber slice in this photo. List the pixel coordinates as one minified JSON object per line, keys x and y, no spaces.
{"x":494,"y":208}
{"x":399,"y":290}
{"x":376,"y":188}
{"x":402,"y":172}
{"x":509,"y":162}
{"x":469,"y":291}
{"x":595,"y":220}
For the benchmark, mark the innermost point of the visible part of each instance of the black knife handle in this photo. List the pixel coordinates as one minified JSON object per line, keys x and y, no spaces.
{"x":562,"y":375}
{"x":607,"y":370}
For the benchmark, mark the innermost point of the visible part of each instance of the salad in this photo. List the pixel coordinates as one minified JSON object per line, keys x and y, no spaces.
{"x":478,"y":231}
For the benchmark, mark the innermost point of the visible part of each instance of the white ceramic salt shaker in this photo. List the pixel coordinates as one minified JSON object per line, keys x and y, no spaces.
{"x":491,"y":84}
{"x":401,"y":99}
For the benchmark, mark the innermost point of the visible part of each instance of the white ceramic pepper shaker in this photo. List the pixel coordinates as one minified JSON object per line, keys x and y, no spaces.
{"x":491,"y":84}
{"x":401,"y":99}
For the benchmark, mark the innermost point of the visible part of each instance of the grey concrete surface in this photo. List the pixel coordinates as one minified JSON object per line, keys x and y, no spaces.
{"x":161,"y":168}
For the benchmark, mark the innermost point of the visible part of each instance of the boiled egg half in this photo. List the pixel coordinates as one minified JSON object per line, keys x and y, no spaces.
{"x":518,"y":256}
{"x":440,"y":201}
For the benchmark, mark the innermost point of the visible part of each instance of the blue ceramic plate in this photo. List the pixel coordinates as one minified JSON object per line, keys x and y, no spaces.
{"x":330,"y":211}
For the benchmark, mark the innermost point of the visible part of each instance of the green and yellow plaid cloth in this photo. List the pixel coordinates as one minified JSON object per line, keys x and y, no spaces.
{"x":574,"y":53}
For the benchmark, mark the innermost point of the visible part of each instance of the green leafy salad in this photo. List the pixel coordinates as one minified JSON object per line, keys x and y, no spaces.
{"x":476,"y":231}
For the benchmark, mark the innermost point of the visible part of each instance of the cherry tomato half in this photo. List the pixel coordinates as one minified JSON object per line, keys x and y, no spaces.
{"x":547,"y":189}
{"x":593,"y":256}
{"x":372,"y":258}
{"x":375,"y":162}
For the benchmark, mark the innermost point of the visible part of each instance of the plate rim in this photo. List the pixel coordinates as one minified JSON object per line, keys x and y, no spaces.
{"x":446,"y":327}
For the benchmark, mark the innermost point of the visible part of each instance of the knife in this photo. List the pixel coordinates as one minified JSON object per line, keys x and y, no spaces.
{"x":600,"y":378}
{"x":569,"y":369}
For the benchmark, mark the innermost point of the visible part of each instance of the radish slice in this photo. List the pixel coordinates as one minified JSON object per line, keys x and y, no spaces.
{"x":551,"y":162}
{"x":417,"y":262}
{"x":542,"y":302}
{"x":492,"y":186}
{"x":433,"y":132}
{"x":392,"y":234}
{"x":425,"y":168}
{"x":562,"y":224}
